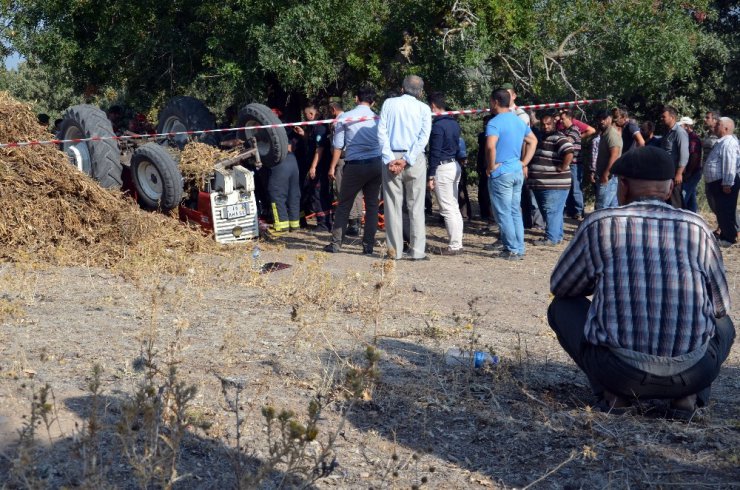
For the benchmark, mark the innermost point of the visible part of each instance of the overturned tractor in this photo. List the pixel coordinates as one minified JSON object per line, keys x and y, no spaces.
{"x":223,"y":202}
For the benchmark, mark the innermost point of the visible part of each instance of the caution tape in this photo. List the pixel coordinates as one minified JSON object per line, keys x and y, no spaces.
{"x":21,"y":144}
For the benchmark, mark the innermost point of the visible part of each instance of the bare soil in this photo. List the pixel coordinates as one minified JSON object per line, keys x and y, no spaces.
{"x":526,"y":421}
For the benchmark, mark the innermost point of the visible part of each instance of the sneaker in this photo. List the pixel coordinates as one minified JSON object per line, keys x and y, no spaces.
{"x":508,"y":255}
{"x":331,"y":248}
{"x":497,"y":245}
{"x":367,"y":250}
{"x":415,"y":259}
{"x":448,"y":251}
{"x":544,"y":242}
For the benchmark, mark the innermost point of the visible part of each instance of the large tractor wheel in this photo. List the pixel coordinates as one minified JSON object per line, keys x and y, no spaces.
{"x":272,"y":143}
{"x":101,"y":160}
{"x":156,"y":178}
{"x":187,"y":114}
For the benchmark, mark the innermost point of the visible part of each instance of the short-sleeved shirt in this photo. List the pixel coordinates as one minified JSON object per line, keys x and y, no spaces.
{"x":544,"y":169}
{"x":574,"y":135}
{"x":628,"y":135}
{"x":676,"y":143}
{"x":319,"y":138}
{"x":609,"y":139}
{"x":511,"y":131}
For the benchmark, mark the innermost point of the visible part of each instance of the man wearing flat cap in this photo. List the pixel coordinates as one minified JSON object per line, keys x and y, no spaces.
{"x":658,"y":325}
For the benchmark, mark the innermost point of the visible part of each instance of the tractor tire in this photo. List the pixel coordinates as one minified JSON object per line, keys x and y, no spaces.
{"x":272,"y":143}
{"x":187,"y":114}
{"x":156,"y":178}
{"x":101,"y":160}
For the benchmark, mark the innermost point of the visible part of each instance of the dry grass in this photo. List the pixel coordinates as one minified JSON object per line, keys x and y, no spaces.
{"x":54,"y":214}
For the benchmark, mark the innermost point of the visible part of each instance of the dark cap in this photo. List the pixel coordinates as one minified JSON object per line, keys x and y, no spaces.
{"x":506,"y":86}
{"x":601,"y":115}
{"x":645,"y":163}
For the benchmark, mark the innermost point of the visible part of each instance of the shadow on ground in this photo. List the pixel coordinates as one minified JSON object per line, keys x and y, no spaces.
{"x":520,"y":420}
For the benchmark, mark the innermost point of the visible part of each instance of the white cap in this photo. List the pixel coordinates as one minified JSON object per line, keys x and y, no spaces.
{"x":686,"y":120}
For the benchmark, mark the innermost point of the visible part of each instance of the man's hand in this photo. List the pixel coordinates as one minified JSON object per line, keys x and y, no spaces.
{"x":397,"y":166}
{"x":726,"y":189}
{"x":525,"y":170}
{"x":604,"y":178}
{"x":430,"y":184}
{"x":678,"y":179}
{"x":299,"y":131}
{"x":332,"y":169}
{"x":592,"y":178}
{"x":312,"y":172}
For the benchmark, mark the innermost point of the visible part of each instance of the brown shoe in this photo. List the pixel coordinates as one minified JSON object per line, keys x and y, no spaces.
{"x":614,"y":404}
{"x":449,"y":251}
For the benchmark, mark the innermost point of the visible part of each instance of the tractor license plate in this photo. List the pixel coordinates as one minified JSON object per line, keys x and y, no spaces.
{"x":236,"y":211}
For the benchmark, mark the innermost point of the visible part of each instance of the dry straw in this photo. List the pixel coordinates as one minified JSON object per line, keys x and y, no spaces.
{"x":52,"y":213}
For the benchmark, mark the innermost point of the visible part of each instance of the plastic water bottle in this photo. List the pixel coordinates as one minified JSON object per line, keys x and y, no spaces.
{"x":468,"y":358}
{"x":256,"y":258}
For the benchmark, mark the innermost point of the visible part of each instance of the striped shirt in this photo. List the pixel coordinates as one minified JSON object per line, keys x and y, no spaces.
{"x":543,"y":170}
{"x":574,"y":135}
{"x":723,"y":161}
{"x":656,"y":275}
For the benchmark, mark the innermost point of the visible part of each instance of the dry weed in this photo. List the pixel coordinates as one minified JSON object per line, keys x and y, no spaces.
{"x":54,"y":214}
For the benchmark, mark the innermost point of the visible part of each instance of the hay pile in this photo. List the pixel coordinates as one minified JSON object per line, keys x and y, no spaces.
{"x":52,"y":213}
{"x":197,"y":161}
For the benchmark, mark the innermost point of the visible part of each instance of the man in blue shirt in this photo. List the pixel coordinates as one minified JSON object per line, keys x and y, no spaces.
{"x":505,"y":136}
{"x":356,"y":132}
{"x":403,"y":132}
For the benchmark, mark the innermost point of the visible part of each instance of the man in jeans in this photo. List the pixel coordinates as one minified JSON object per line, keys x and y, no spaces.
{"x":444,"y":172}
{"x":659,"y":331}
{"x":574,"y":204}
{"x":722,"y":180}
{"x":550,"y":178}
{"x":610,"y":149}
{"x":356,"y":132}
{"x":506,"y":134}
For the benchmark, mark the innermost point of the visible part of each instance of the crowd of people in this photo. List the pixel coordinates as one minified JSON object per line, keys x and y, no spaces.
{"x":412,"y":155}
{"x":641,"y":301}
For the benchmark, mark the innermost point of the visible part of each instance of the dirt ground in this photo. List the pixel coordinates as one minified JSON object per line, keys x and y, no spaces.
{"x":526,"y":422}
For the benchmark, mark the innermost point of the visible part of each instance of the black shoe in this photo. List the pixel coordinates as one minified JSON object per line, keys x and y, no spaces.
{"x":352,"y":231}
{"x":367,"y":250}
{"x":331,"y":248}
{"x":416,"y":259}
{"x":497,"y":245}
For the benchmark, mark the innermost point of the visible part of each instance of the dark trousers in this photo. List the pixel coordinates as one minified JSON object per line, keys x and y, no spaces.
{"x":676,"y":199}
{"x":484,"y":199}
{"x":530,"y":211}
{"x":317,"y":196}
{"x":365,"y":176}
{"x":463,"y":198}
{"x":724,"y":206}
{"x":605,"y":371}
{"x":285,"y":192}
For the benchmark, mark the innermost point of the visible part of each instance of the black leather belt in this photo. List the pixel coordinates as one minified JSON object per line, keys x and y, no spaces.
{"x":363,"y":161}
{"x":444,"y":162}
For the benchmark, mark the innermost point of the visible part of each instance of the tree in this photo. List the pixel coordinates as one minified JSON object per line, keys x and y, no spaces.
{"x":640,"y":52}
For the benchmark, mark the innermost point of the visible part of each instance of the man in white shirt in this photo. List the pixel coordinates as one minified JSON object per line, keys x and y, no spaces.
{"x":403,"y":133}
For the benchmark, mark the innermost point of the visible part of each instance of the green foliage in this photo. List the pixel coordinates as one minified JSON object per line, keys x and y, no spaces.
{"x":639,"y":52}
{"x":42,"y":86}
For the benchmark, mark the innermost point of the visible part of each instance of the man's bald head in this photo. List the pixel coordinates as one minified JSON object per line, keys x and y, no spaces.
{"x":413,"y":85}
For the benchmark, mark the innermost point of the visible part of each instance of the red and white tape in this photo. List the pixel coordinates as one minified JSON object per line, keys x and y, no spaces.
{"x":20,"y":144}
